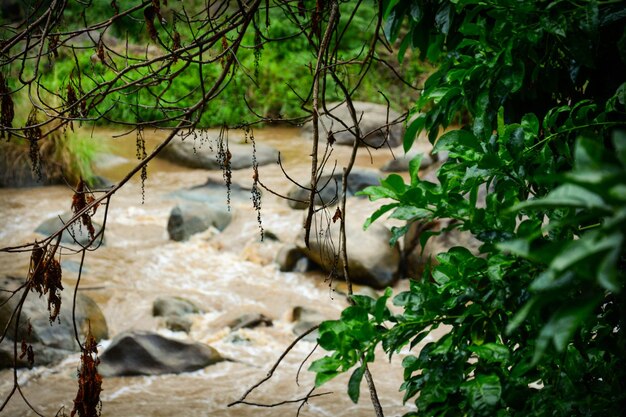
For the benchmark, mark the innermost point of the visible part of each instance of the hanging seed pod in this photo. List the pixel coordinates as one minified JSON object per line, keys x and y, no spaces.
{"x":7,"y":109}
{"x":37,"y":267}
{"x":33,"y":134}
{"x":301,"y":8}
{"x":80,"y":200}
{"x":149,"y":14}
{"x":224,"y":49}
{"x":87,"y":402}
{"x":53,"y":45}
{"x":53,"y":286}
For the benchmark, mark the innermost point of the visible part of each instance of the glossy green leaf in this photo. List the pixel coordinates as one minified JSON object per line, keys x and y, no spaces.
{"x":378,"y":213}
{"x":562,"y":325}
{"x":354,"y":385}
{"x":567,"y":195}
{"x":484,"y":391}
{"x":491,"y":352}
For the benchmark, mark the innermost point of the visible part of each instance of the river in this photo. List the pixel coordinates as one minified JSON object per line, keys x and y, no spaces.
{"x":228,"y":275}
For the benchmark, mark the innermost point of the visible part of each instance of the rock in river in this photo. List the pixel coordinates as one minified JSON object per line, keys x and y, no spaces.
{"x":372,"y":123}
{"x":51,"y":341}
{"x":76,"y":233}
{"x":371,"y":261}
{"x":190,"y":218}
{"x":200,"y":150}
{"x":329,"y":187}
{"x":146,"y":353}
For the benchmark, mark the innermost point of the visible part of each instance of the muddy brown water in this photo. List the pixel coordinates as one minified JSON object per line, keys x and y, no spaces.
{"x":227,"y":275}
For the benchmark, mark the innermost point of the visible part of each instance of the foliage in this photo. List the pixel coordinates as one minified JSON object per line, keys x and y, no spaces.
{"x":261,"y":81}
{"x":534,"y":323}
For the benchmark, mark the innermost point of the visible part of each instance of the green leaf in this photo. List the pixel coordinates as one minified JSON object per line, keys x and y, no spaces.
{"x":567,"y":195}
{"x":520,"y":316}
{"x":394,"y":183}
{"x":354,"y":385}
{"x":380,"y":309}
{"x":588,"y":245}
{"x":562,"y":325}
{"x":410,"y":213}
{"x":414,"y":168}
{"x":323,"y":377}
{"x":379,"y":212}
{"x":413,"y":130}
{"x":456,"y":140}
{"x":588,"y":153}
{"x":483,"y":391}
{"x":393,"y":24}
{"x":530,"y":124}
{"x":619,"y":141}
{"x":607,"y":271}
{"x":491,"y":352}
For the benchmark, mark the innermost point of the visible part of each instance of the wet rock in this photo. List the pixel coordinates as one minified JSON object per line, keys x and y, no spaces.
{"x":76,"y":233}
{"x":146,"y":353}
{"x":289,"y":259}
{"x":330,"y":188}
{"x":190,"y":218}
{"x":214,"y":192}
{"x":200,"y":150}
{"x":304,"y":319}
{"x":43,"y":355}
{"x":57,"y":337}
{"x":372,"y":123}
{"x":371,"y":260}
{"x":173,"y":307}
{"x":178,"y":323}
{"x":342,"y":288}
{"x":249,"y":321}
{"x":401,"y":162}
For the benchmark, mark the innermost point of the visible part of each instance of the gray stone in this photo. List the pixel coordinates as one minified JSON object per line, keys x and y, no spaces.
{"x":173,"y":307}
{"x":146,"y":353}
{"x":200,"y":150}
{"x":330,"y":188}
{"x":288,"y":257}
{"x":178,"y":323}
{"x":57,"y":336}
{"x":42,"y":355}
{"x":214,"y":192}
{"x":305,"y":318}
{"x":190,"y":218}
{"x":77,"y":233}
{"x":401,"y":163}
{"x":371,"y":261}
{"x":372,"y":123}
{"x":249,"y":321}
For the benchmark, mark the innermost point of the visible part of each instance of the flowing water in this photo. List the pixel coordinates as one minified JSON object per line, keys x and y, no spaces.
{"x":228,"y":275}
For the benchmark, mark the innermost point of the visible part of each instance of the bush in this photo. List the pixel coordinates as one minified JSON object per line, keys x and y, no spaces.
{"x":536,"y":321}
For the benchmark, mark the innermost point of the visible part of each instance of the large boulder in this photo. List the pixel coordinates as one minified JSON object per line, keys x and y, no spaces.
{"x":371,"y":261}
{"x":57,"y":337}
{"x":146,"y":353}
{"x":191,"y":218}
{"x":76,"y":233}
{"x":372,"y":123}
{"x":200,"y":150}
{"x":330,"y":188}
